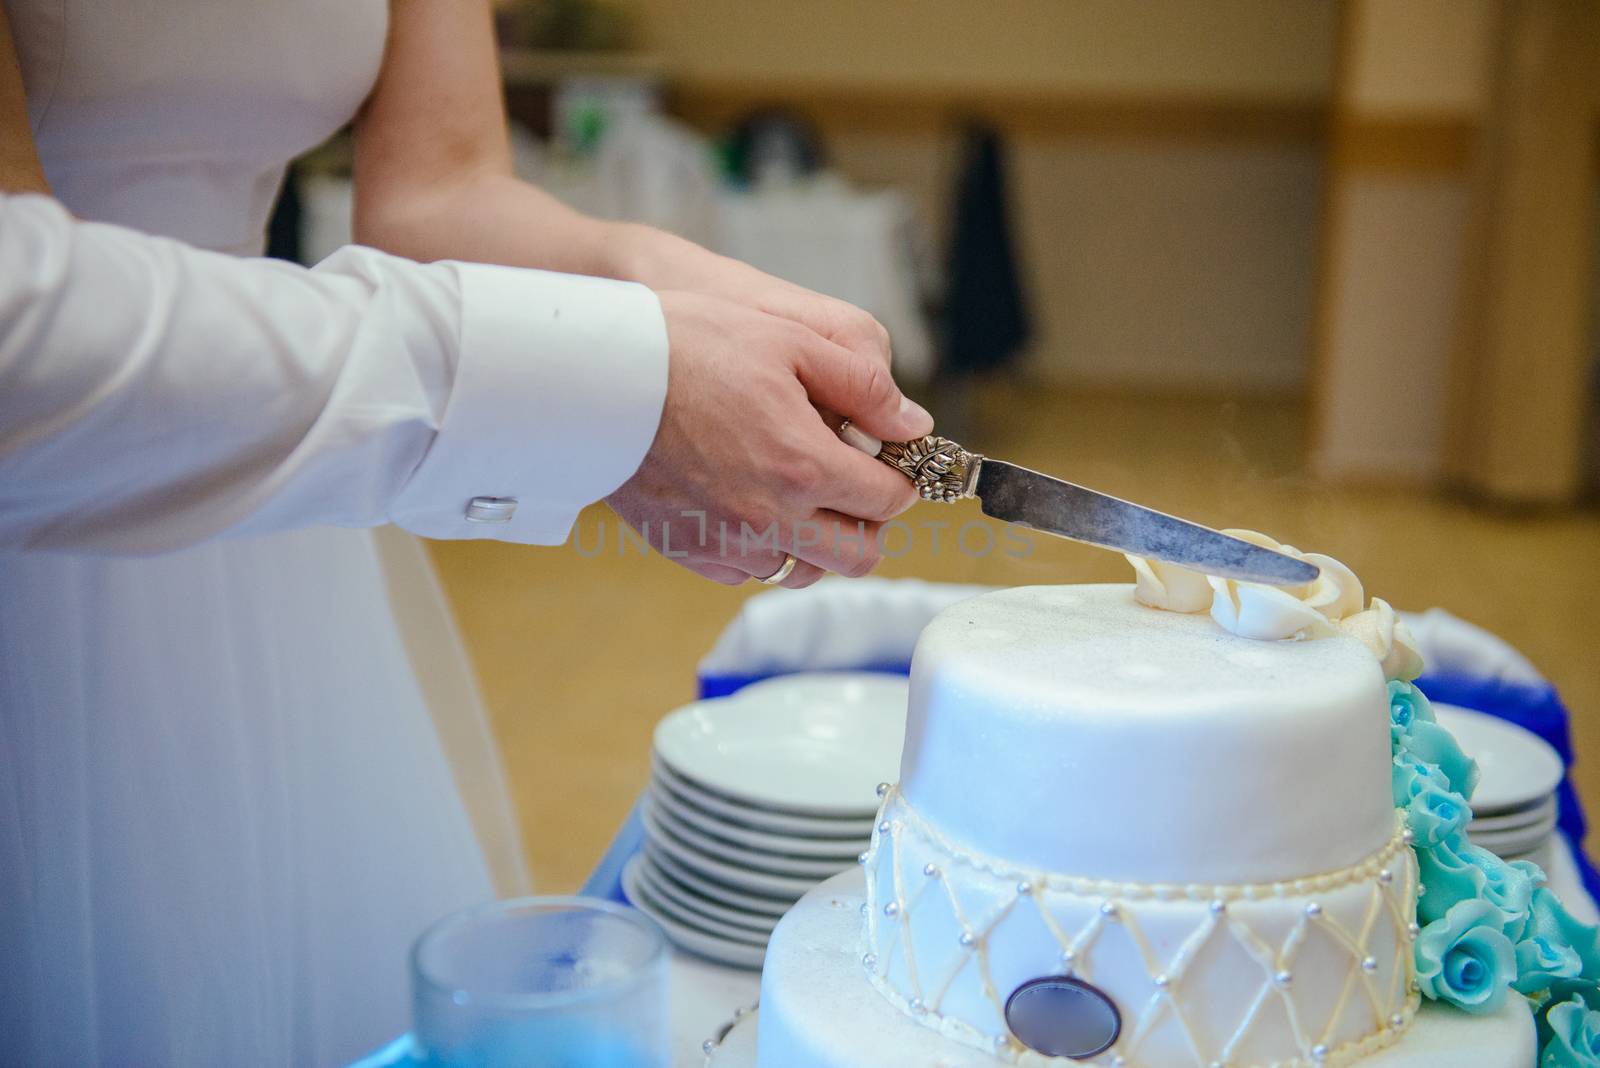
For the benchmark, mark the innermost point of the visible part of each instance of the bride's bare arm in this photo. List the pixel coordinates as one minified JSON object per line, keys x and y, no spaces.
{"x":434,"y":181}
{"x":433,"y":168}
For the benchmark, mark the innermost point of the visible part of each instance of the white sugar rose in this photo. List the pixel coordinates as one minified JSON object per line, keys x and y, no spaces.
{"x":1168,"y":586}
{"x":1390,"y":640}
{"x":1271,"y":613}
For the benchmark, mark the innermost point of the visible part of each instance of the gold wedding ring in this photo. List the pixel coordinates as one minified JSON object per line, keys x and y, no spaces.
{"x":782,"y":572}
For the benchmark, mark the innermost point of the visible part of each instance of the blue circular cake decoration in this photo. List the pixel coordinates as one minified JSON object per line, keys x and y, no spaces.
{"x":1063,"y":1017}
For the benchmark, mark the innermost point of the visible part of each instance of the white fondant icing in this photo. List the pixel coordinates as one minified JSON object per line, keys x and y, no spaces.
{"x":1070,"y":729}
{"x":1248,"y":974}
{"x":818,"y":1011}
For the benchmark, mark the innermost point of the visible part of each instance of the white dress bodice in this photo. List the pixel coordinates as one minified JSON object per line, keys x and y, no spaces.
{"x":177,"y":117}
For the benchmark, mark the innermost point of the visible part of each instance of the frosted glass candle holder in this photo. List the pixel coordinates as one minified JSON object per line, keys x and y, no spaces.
{"x":541,"y":982}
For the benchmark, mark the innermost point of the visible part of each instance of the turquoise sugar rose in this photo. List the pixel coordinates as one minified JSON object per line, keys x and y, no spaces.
{"x":1411,"y":777}
{"x":1465,"y":959}
{"x":1508,"y":887}
{"x":1432,"y":744}
{"x":1569,"y":1027}
{"x":1447,"y":878}
{"x":1541,"y":961}
{"x":1436,"y":813}
{"x":1407,"y":705}
{"x":1455,"y":871}
{"x":1555,"y":946}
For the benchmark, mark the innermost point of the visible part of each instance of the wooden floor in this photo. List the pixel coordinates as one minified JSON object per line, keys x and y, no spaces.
{"x":578,"y":657}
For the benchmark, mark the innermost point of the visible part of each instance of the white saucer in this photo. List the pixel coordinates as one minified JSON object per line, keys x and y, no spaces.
{"x":784,"y":845}
{"x":741,"y":878}
{"x":824,"y":687}
{"x":657,"y":820}
{"x":761,"y":819}
{"x":739,"y":954}
{"x":1519,"y":767}
{"x":714,"y":889}
{"x":636,"y":888}
{"x":658,"y":885}
{"x":720,"y":862}
{"x":1521,"y":850}
{"x":1510,"y":821}
{"x":1511,"y":843}
{"x":812,"y":744}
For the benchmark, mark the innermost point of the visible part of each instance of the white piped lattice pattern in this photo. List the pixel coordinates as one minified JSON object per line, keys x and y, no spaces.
{"x":1311,"y":973}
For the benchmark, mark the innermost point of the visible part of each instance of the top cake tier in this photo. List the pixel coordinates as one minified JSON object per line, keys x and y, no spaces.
{"x":1072,"y":730}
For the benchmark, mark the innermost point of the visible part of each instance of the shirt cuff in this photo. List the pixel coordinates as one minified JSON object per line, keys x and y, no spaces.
{"x":558,"y":392}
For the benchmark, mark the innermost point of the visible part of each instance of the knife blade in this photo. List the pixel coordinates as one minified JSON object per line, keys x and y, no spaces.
{"x":942,"y":470}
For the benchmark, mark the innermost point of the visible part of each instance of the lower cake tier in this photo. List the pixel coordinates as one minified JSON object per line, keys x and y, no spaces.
{"x":1303,"y":971}
{"x":819,"y":1010}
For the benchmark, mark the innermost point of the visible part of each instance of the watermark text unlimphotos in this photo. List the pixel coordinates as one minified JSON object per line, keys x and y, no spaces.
{"x":692,"y":534}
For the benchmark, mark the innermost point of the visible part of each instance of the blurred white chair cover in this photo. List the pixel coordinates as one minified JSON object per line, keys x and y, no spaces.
{"x":837,"y":624}
{"x":647,"y":169}
{"x":653,"y":170}
{"x":1452,"y":646}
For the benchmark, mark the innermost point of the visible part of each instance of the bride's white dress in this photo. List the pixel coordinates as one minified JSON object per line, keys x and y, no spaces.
{"x":225,"y":809}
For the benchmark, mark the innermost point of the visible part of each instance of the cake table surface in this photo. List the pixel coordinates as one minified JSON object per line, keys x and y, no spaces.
{"x":816,"y":997}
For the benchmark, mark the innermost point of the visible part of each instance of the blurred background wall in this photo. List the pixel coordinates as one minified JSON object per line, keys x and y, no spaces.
{"x":1147,"y":141}
{"x":1240,"y":197}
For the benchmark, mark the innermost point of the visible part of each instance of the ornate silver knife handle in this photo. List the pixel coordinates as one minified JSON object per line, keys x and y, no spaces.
{"x":941,"y":469}
{"x":944,"y":471}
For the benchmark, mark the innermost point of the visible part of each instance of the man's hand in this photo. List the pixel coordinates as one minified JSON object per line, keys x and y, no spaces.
{"x":743,"y":469}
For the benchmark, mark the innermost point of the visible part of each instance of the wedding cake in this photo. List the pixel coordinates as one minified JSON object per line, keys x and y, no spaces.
{"x":1137,"y":827}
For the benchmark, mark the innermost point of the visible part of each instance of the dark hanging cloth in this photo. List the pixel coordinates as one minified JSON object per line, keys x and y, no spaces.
{"x":986,"y":320}
{"x":283,"y":227}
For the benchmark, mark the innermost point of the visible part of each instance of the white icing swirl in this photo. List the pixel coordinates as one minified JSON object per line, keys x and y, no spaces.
{"x":1270,"y":613}
{"x":1390,"y":640}
{"x":1325,"y":606}
{"x":1168,"y":586}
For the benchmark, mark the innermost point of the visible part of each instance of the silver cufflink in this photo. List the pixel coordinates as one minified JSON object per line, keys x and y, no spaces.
{"x":491,"y":509}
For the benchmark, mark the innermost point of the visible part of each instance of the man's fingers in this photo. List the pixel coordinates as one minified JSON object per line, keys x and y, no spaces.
{"x":859,"y":388}
{"x":860,"y":332}
{"x":859,"y":485}
{"x":827,"y":541}
{"x":835,"y":542}
{"x":803,"y":575}
{"x":837,"y":320}
{"x":723,"y":573}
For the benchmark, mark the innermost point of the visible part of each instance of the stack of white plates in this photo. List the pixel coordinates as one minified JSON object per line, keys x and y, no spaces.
{"x":1514,"y":807}
{"x":756,"y":798}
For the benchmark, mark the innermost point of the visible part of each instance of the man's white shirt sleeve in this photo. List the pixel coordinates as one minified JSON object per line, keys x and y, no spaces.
{"x":153,"y":395}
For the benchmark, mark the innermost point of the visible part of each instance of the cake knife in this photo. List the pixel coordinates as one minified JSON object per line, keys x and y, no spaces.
{"x":944,"y":471}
